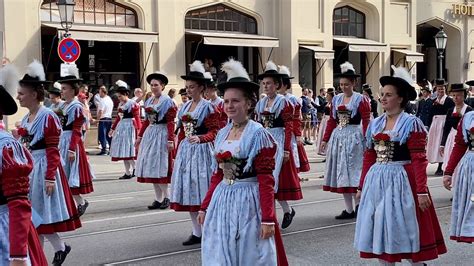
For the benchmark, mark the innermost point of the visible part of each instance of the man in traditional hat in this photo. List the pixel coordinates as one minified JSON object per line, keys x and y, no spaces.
{"x":470,"y":94}
{"x":425,"y":103}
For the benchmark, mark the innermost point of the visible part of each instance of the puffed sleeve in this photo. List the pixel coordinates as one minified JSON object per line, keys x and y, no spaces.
{"x":447,"y":127}
{"x":143,"y":128}
{"x":330,"y":126}
{"x":212,"y":123}
{"x":364,"y":110}
{"x":287,"y":116}
{"x":116,"y":121}
{"x":215,"y":180}
{"x":264,"y":164}
{"x":15,"y":187}
{"x":137,"y":121}
{"x":170,"y":121}
{"x":416,"y":145}
{"x":76,"y":132}
{"x":297,"y":121}
{"x":459,"y":149}
{"x":369,"y":159}
{"x":51,"y":138}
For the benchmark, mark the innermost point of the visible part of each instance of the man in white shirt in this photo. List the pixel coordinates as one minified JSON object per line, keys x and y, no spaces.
{"x":138,"y":98}
{"x":104,"y":115}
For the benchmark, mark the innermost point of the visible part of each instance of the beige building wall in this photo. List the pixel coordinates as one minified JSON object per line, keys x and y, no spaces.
{"x":294,"y":22}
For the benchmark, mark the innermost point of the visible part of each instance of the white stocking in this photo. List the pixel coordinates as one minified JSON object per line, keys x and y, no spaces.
{"x":56,"y":242}
{"x":158,"y":192}
{"x":285,"y":206}
{"x":78,"y":199}
{"x":127,"y":166}
{"x":348,"y":201}
{"x":196,"y":226}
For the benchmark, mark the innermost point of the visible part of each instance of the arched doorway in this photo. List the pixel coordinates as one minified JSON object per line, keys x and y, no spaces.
{"x":217,"y":32}
{"x":101,"y":62}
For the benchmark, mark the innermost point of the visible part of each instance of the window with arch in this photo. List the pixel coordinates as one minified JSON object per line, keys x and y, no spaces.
{"x":220,"y":18}
{"x":347,"y":21}
{"x":93,"y":12}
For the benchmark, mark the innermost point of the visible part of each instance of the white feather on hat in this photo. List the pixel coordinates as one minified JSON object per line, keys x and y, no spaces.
{"x":401,"y":72}
{"x":36,"y":70}
{"x":270,"y":66}
{"x":429,"y":85}
{"x":346,"y":67}
{"x":121,"y":83}
{"x":57,"y":85}
{"x":9,"y":78}
{"x":71,"y":70}
{"x":234,"y":69}
{"x":208,"y":75}
{"x":284,"y":70}
{"x":197,"y":66}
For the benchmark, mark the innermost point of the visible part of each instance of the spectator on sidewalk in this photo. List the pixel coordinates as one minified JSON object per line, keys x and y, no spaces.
{"x":104,"y":116}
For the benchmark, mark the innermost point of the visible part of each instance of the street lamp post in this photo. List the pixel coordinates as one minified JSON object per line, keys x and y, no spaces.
{"x":440,"y":40}
{"x":66,"y":14}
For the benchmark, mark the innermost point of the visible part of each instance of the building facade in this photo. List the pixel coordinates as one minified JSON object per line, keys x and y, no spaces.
{"x":130,"y":39}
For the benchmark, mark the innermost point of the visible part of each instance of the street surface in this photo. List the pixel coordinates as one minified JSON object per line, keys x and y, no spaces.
{"x":118,"y":229}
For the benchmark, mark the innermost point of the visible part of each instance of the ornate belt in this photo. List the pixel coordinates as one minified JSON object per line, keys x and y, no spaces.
{"x":384,"y":150}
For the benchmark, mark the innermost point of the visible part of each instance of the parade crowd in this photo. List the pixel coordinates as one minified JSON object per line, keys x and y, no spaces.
{"x":227,"y":161}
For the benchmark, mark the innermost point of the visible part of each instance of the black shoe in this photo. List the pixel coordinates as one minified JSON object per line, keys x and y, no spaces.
{"x":308,"y":142}
{"x":81,"y":209}
{"x":60,"y":256}
{"x":345,"y":215}
{"x":439,"y":172}
{"x":192,"y":240}
{"x":125,"y":176}
{"x":133,"y":173}
{"x":165,"y":204}
{"x":102,"y":153}
{"x":287,"y":219}
{"x":155,"y":205}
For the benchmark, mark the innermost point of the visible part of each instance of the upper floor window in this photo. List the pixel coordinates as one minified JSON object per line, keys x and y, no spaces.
{"x":347,"y":21}
{"x":95,"y":12}
{"x":220,"y":18}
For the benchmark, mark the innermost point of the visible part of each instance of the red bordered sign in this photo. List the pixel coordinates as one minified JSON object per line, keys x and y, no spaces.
{"x":69,"y":50}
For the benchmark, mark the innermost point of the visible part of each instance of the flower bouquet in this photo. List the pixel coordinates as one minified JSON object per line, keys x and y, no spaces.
{"x":383,"y":147}
{"x":344,"y":115}
{"x":189,"y":124}
{"x":229,"y":165}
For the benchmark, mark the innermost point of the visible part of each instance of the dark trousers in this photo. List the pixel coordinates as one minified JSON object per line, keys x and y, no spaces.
{"x":104,"y":128}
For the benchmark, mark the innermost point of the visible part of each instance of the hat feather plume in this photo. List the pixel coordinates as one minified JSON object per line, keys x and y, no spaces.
{"x":401,"y":72}
{"x":208,"y":75}
{"x":270,"y":65}
{"x":284,"y":70}
{"x":57,"y":85}
{"x":234,"y":69}
{"x":121,"y":83}
{"x":197,"y":66}
{"x":346,"y":67}
{"x":71,"y":70}
{"x":429,"y":85}
{"x":36,"y":70}
{"x":9,"y":78}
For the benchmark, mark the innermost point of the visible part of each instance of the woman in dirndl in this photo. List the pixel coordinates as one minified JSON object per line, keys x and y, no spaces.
{"x":396,"y":218}
{"x":71,"y":146}
{"x":276,"y":114}
{"x":367,"y":92}
{"x":324,"y":121}
{"x":155,"y":141}
{"x":198,"y":124}
{"x":241,"y":193}
{"x":346,"y":140}
{"x":19,"y":243}
{"x":50,"y":194}
{"x":458,"y":93}
{"x":437,"y":119}
{"x":124,"y":130}
{"x":211,"y":94}
{"x":299,"y":153}
{"x":459,"y":174}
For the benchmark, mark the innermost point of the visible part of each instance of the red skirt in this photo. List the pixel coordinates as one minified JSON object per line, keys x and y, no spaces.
{"x":304,"y":162}
{"x":289,"y":187}
{"x":35,"y":250}
{"x":431,"y":237}
{"x":185,"y":208}
{"x":65,"y":226}
{"x":85,"y":175}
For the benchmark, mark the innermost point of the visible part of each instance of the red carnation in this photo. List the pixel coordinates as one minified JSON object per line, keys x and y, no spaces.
{"x":149,"y":110}
{"x":471,"y":130}
{"x":266,"y":113}
{"x":120,"y":110}
{"x":223,"y":156}
{"x":455,"y":115}
{"x":381,"y":136}
{"x":341,"y":108}
{"x":22,"y":132}
{"x":187,"y":118}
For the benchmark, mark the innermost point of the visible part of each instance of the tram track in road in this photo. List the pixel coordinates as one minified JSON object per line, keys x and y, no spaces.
{"x":187,"y":251}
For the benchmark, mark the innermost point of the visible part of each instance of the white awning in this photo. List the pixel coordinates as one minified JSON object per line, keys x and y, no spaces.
{"x":107,"y":34}
{"x":235,"y":39}
{"x":363,"y":45}
{"x":410,"y":56}
{"x":320,"y":52}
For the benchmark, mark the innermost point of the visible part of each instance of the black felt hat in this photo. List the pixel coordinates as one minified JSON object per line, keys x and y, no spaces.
{"x":440,"y":82}
{"x":8,"y":85}
{"x":270,"y":71}
{"x":459,"y":87}
{"x":56,"y":89}
{"x":182,"y":91}
{"x":121,"y":86}
{"x":285,"y":72}
{"x":402,"y":80}
{"x":158,"y":76}
{"x":35,"y":75}
{"x":237,"y":77}
{"x":196,"y":72}
{"x":470,"y":82}
{"x":70,"y":75}
{"x":347,"y":71}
